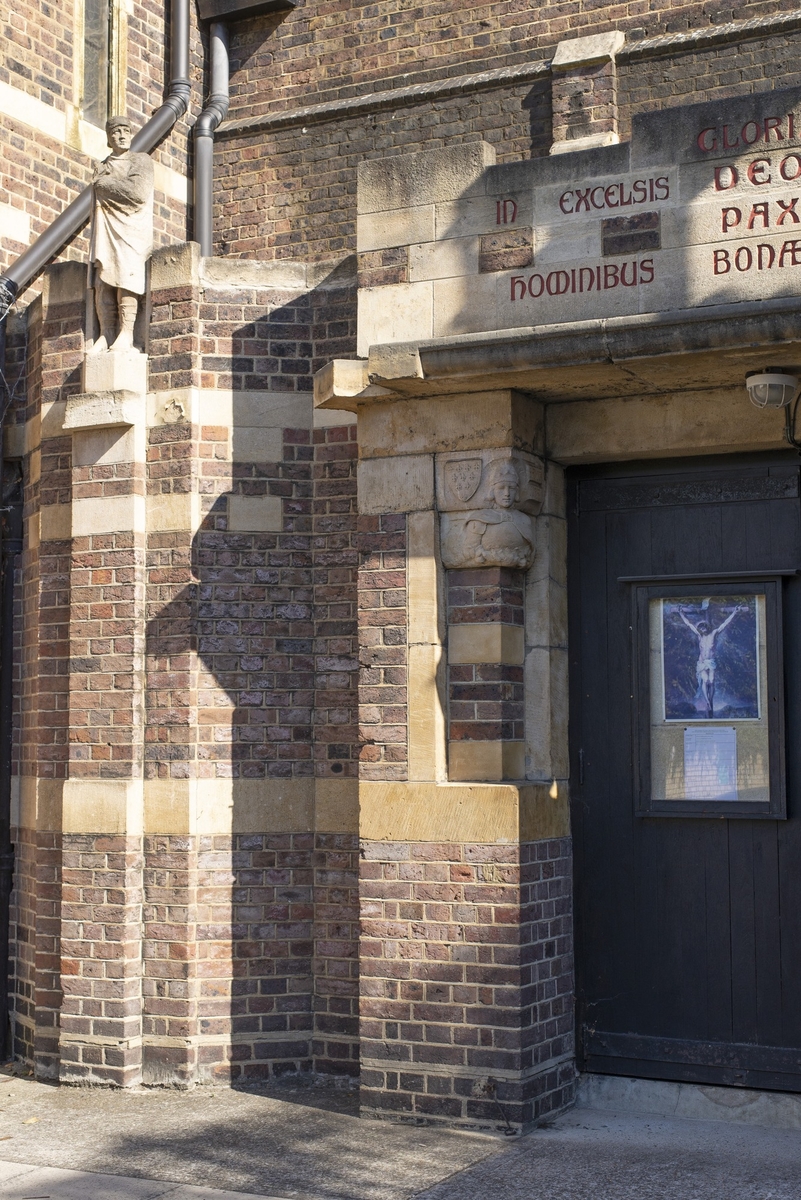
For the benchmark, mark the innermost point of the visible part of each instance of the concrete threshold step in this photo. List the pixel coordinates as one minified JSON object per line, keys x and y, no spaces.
{"x":25,"y":1181}
{"x":689,"y":1101}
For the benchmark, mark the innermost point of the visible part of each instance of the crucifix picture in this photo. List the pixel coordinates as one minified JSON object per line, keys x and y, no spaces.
{"x":711,"y":658}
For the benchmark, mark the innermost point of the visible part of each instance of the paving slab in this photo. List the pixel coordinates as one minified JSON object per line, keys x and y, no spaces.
{"x":592,"y":1155}
{"x":292,"y":1141}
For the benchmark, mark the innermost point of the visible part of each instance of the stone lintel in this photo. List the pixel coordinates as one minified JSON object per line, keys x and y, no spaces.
{"x":343,"y":385}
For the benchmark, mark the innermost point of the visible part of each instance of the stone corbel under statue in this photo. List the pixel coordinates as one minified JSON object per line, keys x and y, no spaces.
{"x":487,"y":500}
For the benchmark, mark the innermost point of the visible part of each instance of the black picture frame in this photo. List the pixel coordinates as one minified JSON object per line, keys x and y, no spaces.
{"x":644,"y":591}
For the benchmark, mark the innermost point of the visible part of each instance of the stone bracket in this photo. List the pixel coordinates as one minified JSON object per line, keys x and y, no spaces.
{"x":103,"y":410}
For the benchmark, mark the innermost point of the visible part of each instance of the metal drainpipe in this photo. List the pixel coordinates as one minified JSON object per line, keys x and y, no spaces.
{"x":10,"y":547}
{"x":215,"y":111}
{"x":75,"y":216}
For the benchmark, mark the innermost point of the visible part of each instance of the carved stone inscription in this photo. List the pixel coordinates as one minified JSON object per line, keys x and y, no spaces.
{"x":487,"y":500}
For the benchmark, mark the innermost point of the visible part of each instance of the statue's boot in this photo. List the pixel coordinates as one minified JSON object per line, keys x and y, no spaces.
{"x":106,"y":308}
{"x":128,"y":307}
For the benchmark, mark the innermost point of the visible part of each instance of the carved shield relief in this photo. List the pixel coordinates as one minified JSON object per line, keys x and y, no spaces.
{"x":463,"y":477}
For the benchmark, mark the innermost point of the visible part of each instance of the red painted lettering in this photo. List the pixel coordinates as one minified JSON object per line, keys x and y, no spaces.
{"x":639,"y":191}
{"x":628,"y":282}
{"x":724,"y":183}
{"x":743,"y":259}
{"x":662,"y":188}
{"x":611,"y":275}
{"x":707,"y":140}
{"x":590,"y":273}
{"x":518,"y":279}
{"x":761,"y":211}
{"x":647,"y":270}
{"x":557,"y":283}
{"x":771,"y":256}
{"x":623,"y":201}
{"x":757,"y":171}
{"x":566,"y":198}
{"x":757,"y":132}
{"x":773,"y":125}
{"x":730,"y":218}
{"x":536,"y":295}
{"x":509,"y":212}
{"x":595,"y":204}
{"x":609,"y":204}
{"x":721,"y":262}
{"x":793,"y":251}
{"x":788,"y":210}
{"x":727,"y":145}
{"x":785,"y":168}
{"x":582,"y":200}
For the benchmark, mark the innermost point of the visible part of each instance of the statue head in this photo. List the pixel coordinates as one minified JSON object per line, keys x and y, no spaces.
{"x":504,"y":483}
{"x":119,"y":133}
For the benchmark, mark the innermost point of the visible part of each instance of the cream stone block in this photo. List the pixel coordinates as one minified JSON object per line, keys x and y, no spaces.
{"x":426,"y":712}
{"x":171,"y":182}
{"x":486,"y":760}
{"x":273,"y":805}
{"x":52,"y":422}
{"x":579,"y":52}
{"x":403,"y":227}
{"x":441,"y":260}
{"x":32,"y":527}
{"x":718,"y":421}
{"x":35,"y":466}
{"x":329,"y":418}
{"x":476,"y":421}
{"x":96,"y":447}
{"x":483,"y":214}
{"x":115,"y":371}
{"x":104,"y":410}
{"x":175,"y":266}
{"x":27,"y":110}
{"x":174,"y":510}
{"x":15,"y":223}
{"x":55,"y":522}
{"x":257,"y":445}
{"x":486,"y":644}
{"x":424,"y":579}
{"x":591,"y":142}
{"x":268,"y":410}
{"x":460,"y":812}
{"x":113,"y":806}
{"x":225,"y":806}
{"x":15,"y":800}
{"x":401,"y":312}
{"x":403,"y":484}
{"x":336,"y":805}
{"x":465,"y":305}
{"x":546,"y":712}
{"x":47,"y":796}
{"x":406,"y":180}
{"x":26,"y":814}
{"x":255,"y":514}
{"x":14,"y":441}
{"x":108,"y":514}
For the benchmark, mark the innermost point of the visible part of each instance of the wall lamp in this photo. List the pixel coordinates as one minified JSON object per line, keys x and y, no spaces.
{"x":776,"y":389}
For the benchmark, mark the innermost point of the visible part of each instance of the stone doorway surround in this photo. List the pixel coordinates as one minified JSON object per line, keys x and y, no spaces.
{"x":466,"y":951}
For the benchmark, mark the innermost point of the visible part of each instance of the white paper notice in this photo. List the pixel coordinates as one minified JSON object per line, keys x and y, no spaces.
{"x":710,"y":763}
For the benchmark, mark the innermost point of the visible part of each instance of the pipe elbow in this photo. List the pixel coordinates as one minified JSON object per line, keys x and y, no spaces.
{"x":216,"y":110}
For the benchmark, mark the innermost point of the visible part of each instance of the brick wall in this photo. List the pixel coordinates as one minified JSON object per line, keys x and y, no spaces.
{"x":485,"y":700}
{"x":320,"y":53}
{"x":382,"y":647}
{"x":466,"y":981}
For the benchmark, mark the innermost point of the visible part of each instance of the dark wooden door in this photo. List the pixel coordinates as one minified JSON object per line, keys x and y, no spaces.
{"x":688,"y":928}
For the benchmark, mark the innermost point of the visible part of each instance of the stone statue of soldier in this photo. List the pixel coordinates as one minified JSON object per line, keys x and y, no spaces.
{"x":122,"y":236}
